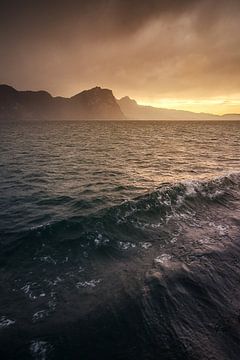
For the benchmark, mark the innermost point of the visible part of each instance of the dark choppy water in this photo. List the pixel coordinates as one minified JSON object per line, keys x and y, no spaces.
{"x":120,"y":240}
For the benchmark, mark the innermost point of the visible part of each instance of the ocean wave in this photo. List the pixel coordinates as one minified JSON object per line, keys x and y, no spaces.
{"x":171,"y":202}
{"x":157,"y":275}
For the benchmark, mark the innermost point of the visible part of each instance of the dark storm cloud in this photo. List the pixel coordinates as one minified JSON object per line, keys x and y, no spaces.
{"x":151,"y":48}
{"x":119,"y":16}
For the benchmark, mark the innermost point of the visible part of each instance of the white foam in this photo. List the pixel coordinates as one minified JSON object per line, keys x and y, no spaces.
{"x":222,"y":229}
{"x":146,"y":245}
{"x":4,"y":322}
{"x":39,"y":349}
{"x":85,"y":284}
{"x":40,"y":315}
{"x":126,"y":245}
{"x":162,"y":259}
{"x":56,"y":281}
{"x":101,"y":241}
{"x":27,"y":290}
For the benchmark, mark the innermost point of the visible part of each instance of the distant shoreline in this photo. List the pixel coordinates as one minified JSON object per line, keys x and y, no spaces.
{"x":94,"y":104}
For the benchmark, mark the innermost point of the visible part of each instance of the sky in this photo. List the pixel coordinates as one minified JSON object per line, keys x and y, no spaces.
{"x":182,"y":54}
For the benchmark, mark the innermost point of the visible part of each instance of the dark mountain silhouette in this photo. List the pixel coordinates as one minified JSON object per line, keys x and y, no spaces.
{"x":93,"y":104}
{"x":133,"y":111}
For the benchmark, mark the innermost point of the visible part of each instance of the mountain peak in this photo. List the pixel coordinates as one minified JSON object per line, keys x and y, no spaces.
{"x":126,"y":100}
{"x":7,"y":89}
{"x":97,"y":91}
{"x":92,"y":104}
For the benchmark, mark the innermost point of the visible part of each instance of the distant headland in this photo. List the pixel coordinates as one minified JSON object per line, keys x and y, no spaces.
{"x":93,"y":104}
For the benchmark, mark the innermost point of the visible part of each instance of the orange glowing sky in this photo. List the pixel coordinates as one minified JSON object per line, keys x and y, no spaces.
{"x":182,"y":54}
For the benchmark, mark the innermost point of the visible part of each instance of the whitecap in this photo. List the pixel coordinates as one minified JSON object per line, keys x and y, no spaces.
{"x":161,"y":259}
{"x":126,"y":245}
{"x":4,"y":322}
{"x":90,"y":283}
{"x":146,"y":245}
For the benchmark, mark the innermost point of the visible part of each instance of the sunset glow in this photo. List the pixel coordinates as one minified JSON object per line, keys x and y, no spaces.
{"x":217,"y":106}
{"x":175,"y":54}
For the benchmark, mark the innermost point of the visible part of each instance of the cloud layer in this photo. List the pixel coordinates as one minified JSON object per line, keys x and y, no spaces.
{"x":150,"y":50}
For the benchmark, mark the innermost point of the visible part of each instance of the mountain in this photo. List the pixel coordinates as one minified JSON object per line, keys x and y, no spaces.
{"x":133,"y":111}
{"x":93,"y":104}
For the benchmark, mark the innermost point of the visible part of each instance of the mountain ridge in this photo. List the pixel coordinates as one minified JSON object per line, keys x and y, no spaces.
{"x":134,"y":111}
{"x":93,"y":104}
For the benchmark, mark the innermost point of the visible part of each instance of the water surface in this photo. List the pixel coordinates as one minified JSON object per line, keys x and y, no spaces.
{"x":120,"y":240}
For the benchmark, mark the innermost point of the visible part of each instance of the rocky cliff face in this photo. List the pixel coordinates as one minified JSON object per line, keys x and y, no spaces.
{"x":97,"y":103}
{"x":94,"y":104}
